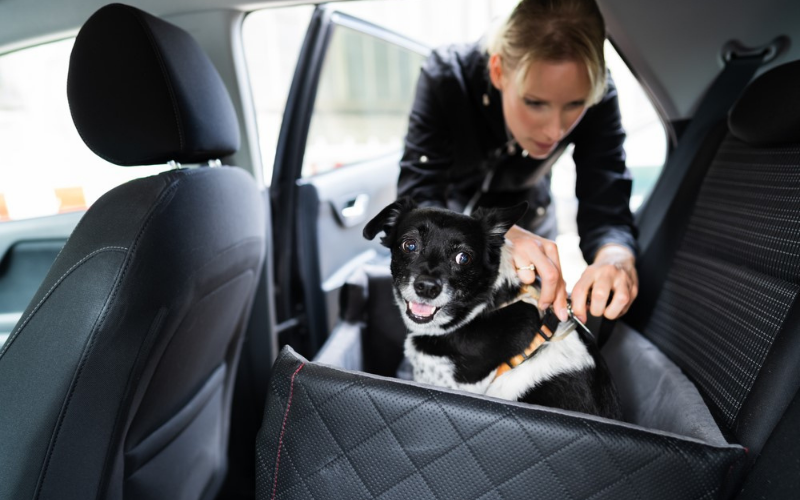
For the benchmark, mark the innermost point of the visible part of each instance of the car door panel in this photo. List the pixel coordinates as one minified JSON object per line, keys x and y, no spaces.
{"x":348,"y":199}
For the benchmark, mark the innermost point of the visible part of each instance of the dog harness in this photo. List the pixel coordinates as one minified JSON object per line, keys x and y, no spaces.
{"x":546,"y":332}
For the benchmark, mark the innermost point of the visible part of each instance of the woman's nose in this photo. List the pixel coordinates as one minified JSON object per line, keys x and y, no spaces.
{"x":554,"y":128}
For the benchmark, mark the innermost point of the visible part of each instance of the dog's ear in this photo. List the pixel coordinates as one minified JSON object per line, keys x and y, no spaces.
{"x":387,"y":219}
{"x":497,"y":221}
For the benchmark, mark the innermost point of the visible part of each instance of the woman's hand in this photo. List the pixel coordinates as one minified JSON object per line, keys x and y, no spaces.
{"x":613,"y":271}
{"x":527,"y":249}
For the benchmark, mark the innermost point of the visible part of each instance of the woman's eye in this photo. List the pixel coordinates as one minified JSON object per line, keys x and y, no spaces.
{"x":409,"y":246}
{"x":533,"y":104}
{"x":576,"y":105}
{"x":463,"y":258}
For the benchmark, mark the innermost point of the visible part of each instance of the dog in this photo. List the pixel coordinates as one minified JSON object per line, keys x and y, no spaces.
{"x":473,"y":325}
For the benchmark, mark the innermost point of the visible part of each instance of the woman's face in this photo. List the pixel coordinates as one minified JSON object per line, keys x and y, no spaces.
{"x":547,"y":106}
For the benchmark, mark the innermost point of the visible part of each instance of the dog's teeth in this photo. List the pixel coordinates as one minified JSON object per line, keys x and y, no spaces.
{"x":421,"y":310}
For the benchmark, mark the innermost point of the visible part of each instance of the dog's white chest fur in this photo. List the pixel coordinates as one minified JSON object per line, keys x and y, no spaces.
{"x":565,"y":356}
{"x":556,"y":358}
{"x":440,"y":371}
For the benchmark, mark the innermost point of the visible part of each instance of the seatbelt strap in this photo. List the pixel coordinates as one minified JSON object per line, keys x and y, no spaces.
{"x":718,"y":99}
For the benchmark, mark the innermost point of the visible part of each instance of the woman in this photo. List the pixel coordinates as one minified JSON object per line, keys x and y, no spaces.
{"x":488,"y":122}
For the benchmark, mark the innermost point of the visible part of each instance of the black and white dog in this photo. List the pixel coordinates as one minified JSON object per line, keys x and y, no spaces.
{"x":459,"y":295}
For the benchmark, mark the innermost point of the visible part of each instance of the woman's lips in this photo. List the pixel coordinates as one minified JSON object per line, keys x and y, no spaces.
{"x":543,"y":145}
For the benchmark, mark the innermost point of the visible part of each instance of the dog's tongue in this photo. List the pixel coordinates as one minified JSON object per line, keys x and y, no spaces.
{"x":421,"y":310}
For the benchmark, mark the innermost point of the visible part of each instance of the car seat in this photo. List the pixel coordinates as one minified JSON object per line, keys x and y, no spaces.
{"x":709,"y":386}
{"x":117,"y":381}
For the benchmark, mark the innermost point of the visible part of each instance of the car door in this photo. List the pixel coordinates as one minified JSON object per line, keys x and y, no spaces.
{"x":336,"y":164}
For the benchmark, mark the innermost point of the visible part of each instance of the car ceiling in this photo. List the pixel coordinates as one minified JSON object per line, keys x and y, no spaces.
{"x":673,"y":46}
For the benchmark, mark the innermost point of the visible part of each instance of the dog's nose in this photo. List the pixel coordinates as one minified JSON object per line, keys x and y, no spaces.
{"x":427,"y":286}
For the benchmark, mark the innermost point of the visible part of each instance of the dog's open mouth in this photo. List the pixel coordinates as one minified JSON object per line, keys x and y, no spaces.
{"x":420,"y":313}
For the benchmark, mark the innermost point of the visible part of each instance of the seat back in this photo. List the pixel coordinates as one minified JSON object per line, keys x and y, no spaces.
{"x":728,"y":311}
{"x":117,"y":381}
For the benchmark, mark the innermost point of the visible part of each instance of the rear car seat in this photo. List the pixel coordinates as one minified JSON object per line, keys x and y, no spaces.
{"x":727,"y":311}
{"x":713,"y":373}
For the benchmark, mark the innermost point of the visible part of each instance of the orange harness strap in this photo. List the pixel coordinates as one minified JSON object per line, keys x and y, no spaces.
{"x":517,"y":360}
{"x":545,"y":333}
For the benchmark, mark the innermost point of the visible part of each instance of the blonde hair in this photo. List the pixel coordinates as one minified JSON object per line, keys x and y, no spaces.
{"x":554,"y":30}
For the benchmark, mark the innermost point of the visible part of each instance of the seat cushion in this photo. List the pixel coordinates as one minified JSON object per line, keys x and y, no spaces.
{"x":654,"y":392}
{"x":733,"y":281}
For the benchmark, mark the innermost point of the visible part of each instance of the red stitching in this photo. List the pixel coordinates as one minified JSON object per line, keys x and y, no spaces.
{"x":283,"y":428}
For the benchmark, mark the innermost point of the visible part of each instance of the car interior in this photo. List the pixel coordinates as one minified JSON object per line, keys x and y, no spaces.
{"x":215,"y":326}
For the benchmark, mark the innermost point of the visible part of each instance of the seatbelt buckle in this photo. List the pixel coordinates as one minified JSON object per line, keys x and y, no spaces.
{"x":578,"y":323}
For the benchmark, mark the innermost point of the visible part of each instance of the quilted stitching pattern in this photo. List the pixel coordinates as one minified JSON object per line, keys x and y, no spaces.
{"x":736,"y":273}
{"x":351,"y":436}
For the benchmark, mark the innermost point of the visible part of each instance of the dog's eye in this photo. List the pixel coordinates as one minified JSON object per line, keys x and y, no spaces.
{"x":463,"y":258}
{"x":409,"y":246}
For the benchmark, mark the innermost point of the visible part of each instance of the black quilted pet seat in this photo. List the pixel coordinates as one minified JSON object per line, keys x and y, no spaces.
{"x":337,"y":434}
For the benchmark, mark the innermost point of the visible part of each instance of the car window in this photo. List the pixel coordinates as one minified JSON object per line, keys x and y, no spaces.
{"x":272,"y":39}
{"x":46,"y":168}
{"x":436,"y":23}
{"x":646,"y":141}
{"x":363,"y":100}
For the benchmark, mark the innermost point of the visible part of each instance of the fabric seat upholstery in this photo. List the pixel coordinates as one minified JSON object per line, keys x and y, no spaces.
{"x":720,"y":289}
{"x":727,"y":312}
{"x":117,"y":381}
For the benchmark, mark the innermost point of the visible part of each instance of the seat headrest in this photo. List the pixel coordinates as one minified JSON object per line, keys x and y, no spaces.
{"x":141,"y":92}
{"x":768,"y":112}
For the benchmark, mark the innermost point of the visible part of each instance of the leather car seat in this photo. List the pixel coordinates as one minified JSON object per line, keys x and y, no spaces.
{"x":117,"y":380}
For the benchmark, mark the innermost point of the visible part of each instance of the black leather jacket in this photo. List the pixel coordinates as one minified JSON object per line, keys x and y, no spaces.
{"x":457,"y":137}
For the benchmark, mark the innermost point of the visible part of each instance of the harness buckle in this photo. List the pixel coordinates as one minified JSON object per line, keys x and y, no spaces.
{"x":550,"y":321}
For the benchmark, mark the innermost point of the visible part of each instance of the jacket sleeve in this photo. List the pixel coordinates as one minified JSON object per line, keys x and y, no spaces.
{"x":603,"y":182}
{"x":428,"y":152}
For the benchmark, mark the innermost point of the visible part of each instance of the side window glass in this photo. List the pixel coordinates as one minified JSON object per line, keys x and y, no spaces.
{"x":646,"y":141}
{"x":46,"y":168}
{"x":272,"y":39}
{"x":363,"y":100}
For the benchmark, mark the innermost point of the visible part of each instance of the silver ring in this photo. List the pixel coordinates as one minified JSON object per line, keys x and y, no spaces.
{"x":530,"y":268}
